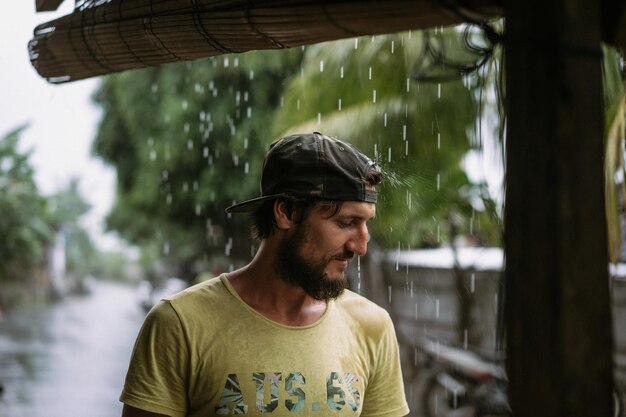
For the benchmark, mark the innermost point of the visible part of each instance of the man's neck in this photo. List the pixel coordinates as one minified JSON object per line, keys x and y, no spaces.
{"x":259,"y":285}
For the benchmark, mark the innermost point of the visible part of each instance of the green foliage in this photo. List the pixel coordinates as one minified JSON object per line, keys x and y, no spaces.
{"x":419,"y":132}
{"x":187,"y":140}
{"x":23,"y":215}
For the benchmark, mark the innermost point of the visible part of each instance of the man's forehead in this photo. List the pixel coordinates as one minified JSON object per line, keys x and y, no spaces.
{"x":360,"y":209}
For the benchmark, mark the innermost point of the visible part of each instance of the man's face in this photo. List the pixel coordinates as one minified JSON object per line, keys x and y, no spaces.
{"x":317,"y":253}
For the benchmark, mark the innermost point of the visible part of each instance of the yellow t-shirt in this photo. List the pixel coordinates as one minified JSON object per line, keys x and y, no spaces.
{"x":205,"y":352}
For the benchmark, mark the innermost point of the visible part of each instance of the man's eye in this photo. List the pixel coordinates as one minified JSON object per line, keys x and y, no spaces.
{"x":344,"y":225}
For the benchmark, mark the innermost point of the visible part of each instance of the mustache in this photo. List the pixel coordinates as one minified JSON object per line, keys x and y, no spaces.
{"x":344,"y":255}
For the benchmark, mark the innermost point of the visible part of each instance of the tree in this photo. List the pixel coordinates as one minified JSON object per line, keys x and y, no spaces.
{"x":23,"y":224}
{"x":187,"y":140}
{"x":419,"y":132}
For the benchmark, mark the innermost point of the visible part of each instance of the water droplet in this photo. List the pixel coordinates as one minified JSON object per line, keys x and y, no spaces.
{"x":389,"y":289}
{"x":356,"y":43}
{"x":184,"y":104}
{"x":322,"y":65}
{"x":166,"y":248}
{"x":385,"y":120}
{"x":438,"y":90}
{"x":205,"y":152}
{"x":369,"y":76}
{"x":437,"y":308}
{"x":438,"y":140}
{"x":406,"y":147}
{"x":339,"y":104}
{"x":341,"y":71}
{"x":154,"y":87}
{"x":246,"y":168}
{"x":245,"y":143}
{"x":408,"y":85}
{"x":252,"y":74}
{"x":373,"y":96}
{"x":236,"y":62}
{"x":189,"y":144}
{"x":186,"y":128}
{"x":319,"y":119}
{"x":153,"y":155}
{"x":198,"y":209}
{"x":465,"y":339}
{"x":389,"y":154}
{"x":226,"y":62}
{"x":249,"y":112}
{"x":392,"y":46}
{"x":473,"y":282}
{"x":404,"y":132}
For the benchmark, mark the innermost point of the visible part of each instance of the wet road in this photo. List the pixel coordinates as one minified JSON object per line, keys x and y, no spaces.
{"x":69,"y":359}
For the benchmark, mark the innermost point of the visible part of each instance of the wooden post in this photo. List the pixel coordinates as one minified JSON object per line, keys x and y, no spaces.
{"x":558,"y":314}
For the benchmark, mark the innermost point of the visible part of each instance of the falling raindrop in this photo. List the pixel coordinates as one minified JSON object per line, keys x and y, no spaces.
{"x":373,"y":96}
{"x":153,"y":155}
{"x":404,"y":132}
{"x":154,"y":88}
{"x":408,"y":85}
{"x":438,"y":90}
{"x":465,"y":339}
{"x":356,"y":43}
{"x":249,"y":112}
{"x":473,"y":282}
{"x":168,"y":199}
{"x":198,"y":209}
{"x":369,"y":76}
{"x":189,"y":144}
{"x":246,"y":167}
{"x":341,"y":71}
{"x":251,"y":74}
{"x":205,"y":152}
{"x":226,"y":62}
{"x":385,"y":119}
{"x":319,"y":118}
{"x":166,"y":248}
{"x":389,"y":290}
{"x":389,"y":154}
{"x":392,"y":46}
{"x":322,"y":65}
{"x":438,"y":181}
{"x":184,"y":104}
{"x":339,"y":104}
{"x":438,"y":140}
{"x":245,"y":143}
{"x":437,"y":308}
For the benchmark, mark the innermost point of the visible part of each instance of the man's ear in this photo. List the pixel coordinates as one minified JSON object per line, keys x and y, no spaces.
{"x":283,"y":219}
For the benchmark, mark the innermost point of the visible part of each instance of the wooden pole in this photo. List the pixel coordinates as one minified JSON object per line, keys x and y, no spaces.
{"x":559,"y":341}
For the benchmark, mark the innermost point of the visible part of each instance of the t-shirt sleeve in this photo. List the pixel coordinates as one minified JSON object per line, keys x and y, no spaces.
{"x":385,"y":395}
{"x":157,"y":375}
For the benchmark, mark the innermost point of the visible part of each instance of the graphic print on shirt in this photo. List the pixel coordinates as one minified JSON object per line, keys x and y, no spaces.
{"x":340,"y":390}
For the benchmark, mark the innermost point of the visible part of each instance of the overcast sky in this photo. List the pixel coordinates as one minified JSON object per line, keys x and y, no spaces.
{"x":62,"y":120}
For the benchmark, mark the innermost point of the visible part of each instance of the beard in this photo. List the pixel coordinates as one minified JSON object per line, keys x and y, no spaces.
{"x":310,"y":276}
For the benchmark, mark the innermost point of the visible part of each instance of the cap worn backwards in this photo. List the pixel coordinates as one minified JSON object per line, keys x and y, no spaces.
{"x":312,"y":165}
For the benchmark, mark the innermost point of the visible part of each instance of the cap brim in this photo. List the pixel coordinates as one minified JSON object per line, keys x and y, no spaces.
{"x":250,"y":205}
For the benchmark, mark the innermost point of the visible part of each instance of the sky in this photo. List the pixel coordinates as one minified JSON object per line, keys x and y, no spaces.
{"x":62,"y":120}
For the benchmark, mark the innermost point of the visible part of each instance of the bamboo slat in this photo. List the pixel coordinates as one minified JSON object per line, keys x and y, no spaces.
{"x":121,"y":35}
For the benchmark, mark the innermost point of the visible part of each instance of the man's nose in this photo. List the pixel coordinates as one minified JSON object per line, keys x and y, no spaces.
{"x":358,"y":241}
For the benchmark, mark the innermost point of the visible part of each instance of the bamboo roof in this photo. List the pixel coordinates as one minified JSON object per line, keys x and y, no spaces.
{"x":103,"y":37}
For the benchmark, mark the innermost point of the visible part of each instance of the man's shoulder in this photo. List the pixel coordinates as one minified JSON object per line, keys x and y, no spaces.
{"x":362,"y":310}
{"x":205,"y":297}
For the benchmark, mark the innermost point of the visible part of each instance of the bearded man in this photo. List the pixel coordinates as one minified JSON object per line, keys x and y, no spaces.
{"x":283,"y":334}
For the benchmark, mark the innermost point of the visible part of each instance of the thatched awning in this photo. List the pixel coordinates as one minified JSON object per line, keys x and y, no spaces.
{"x":102,"y":37}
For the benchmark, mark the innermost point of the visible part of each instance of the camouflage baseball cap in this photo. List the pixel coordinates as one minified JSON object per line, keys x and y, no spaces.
{"x":312,"y":165}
